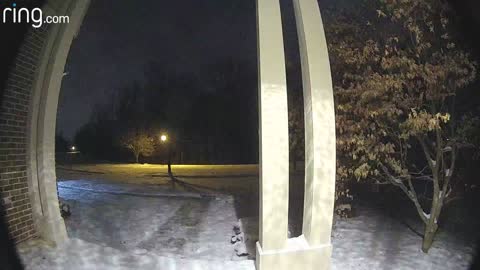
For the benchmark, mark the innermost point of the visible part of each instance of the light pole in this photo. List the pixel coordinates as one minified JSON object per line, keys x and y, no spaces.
{"x":164,"y":139}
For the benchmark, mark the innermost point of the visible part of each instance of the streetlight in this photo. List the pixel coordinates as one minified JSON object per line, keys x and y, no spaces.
{"x":73,"y":148}
{"x":164,"y":138}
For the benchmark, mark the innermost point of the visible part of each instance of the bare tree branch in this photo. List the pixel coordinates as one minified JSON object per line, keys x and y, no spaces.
{"x":423,"y":177}
{"x":426,"y":151}
{"x":411,"y":194}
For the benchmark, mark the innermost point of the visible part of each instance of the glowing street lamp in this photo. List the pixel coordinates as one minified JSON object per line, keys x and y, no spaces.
{"x":163,"y":139}
{"x":73,"y":148}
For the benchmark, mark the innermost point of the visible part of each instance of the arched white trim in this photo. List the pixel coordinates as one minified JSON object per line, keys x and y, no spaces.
{"x":42,"y":120}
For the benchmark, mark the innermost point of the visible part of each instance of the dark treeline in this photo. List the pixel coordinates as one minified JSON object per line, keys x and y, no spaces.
{"x":207,"y":121}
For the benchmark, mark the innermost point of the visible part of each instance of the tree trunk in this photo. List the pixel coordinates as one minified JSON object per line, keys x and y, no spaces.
{"x":136,"y":157}
{"x":431,"y":226}
{"x":430,"y":230}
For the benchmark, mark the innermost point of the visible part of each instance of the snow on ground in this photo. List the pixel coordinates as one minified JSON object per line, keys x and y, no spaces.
{"x":77,"y":254}
{"x":373,"y":241}
{"x":126,"y":226}
{"x":144,"y":190}
{"x":228,"y":178}
{"x":181,"y":226}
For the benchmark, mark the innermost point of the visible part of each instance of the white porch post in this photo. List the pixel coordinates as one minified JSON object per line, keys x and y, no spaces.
{"x":319,"y":124}
{"x":274,"y":167}
{"x":312,"y":250}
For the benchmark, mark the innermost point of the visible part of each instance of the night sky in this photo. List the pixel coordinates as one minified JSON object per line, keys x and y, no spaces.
{"x":119,"y":38}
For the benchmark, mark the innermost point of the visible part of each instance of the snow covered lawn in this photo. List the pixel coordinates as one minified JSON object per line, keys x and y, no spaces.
{"x":116,"y":225}
{"x":140,"y":227}
{"x":228,"y":178}
{"x":77,"y":254}
{"x":373,"y":241}
{"x":180,"y":226}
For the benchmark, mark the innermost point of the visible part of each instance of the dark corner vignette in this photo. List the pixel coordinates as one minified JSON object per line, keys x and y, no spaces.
{"x":13,"y":35}
{"x":175,"y":118}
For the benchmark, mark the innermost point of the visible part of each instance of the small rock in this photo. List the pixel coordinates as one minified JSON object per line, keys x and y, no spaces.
{"x":237,"y":238}
{"x":344,"y":210}
{"x":240,"y":237}
{"x":240,"y":249}
{"x":65,"y":210}
{"x":236,"y":229}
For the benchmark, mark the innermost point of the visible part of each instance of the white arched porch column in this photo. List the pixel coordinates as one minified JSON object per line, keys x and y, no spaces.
{"x":42,"y":118}
{"x":312,"y":250}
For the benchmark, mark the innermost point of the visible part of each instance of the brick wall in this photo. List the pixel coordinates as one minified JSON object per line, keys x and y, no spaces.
{"x":13,"y":139}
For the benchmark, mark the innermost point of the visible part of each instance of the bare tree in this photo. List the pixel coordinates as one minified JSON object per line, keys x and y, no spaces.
{"x":139,"y":143}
